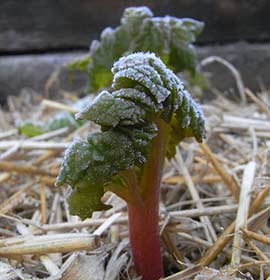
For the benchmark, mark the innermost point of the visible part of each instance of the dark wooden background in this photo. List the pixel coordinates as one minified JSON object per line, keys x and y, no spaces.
{"x":48,"y":25}
{"x":39,"y":36}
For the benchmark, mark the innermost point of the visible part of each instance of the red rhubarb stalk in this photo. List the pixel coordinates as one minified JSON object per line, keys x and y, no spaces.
{"x":145,"y":243}
{"x":143,"y":118}
{"x":143,"y":220}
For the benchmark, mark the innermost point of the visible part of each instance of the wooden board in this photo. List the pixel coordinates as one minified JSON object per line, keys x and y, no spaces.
{"x":32,"y":71}
{"x":48,"y":25}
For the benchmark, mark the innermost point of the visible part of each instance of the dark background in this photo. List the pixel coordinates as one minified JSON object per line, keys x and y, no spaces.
{"x":46,"y":25}
{"x":39,"y":36}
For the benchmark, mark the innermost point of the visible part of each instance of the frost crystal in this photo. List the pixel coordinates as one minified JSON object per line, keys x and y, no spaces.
{"x":169,"y":37}
{"x":143,"y":90}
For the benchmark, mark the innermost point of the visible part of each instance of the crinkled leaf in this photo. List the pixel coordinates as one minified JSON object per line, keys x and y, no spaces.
{"x":148,"y":78}
{"x":187,"y":121}
{"x":169,"y":37}
{"x":93,"y":164}
{"x":76,"y":160}
{"x":112,"y":45}
{"x":118,"y":151}
{"x":154,"y":77}
{"x":138,"y":96}
{"x":84,"y":200}
{"x":108,"y":110}
{"x":143,"y":90}
{"x":191,"y":118}
{"x":141,"y":137}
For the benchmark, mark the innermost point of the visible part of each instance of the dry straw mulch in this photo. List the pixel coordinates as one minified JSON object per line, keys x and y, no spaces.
{"x":214,"y":208}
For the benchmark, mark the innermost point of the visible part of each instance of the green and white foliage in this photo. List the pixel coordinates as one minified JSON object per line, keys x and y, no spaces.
{"x":143,"y":91}
{"x":168,"y":37}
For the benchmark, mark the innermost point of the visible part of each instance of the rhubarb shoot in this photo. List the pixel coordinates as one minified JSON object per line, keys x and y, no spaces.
{"x":143,"y":118}
{"x":168,"y":37}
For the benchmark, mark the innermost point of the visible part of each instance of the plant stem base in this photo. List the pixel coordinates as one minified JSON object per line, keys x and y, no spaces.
{"x":145,"y":242}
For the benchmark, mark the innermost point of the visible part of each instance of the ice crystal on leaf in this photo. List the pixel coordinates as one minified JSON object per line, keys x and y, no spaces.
{"x":143,"y":90}
{"x":170,"y":38}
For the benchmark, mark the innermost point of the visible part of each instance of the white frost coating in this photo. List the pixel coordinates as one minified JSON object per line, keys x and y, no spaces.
{"x":137,"y":97}
{"x":163,"y":24}
{"x":149,"y":61}
{"x":80,"y":115}
{"x":106,"y":32}
{"x":158,"y":91}
{"x":151,"y":72}
{"x":143,"y":90}
{"x":137,"y":58}
{"x":94,"y":46}
{"x":108,"y":110}
{"x":142,"y":80}
{"x":133,"y":12}
{"x":148,"y":69}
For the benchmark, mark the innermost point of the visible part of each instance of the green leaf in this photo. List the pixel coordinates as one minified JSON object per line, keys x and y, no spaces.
{"x":147,"y":70}
{"x":141,"y":138}
{"x":30,"y":129}
{"x":76,"y":160}
{"x":84,"y":200}
{"x":169,"y":37}
{"x":126,"y":116}
{"x":116,"y":150}
{"x":108,"y":110}
{"x":187,"y":121}
{"x":138,"y":96}
{"x":143,"y":91}
{"x":94,"y":164}
{"x":63,"y":119}
{"x":80,"y":64}
{"x":104,"y":155}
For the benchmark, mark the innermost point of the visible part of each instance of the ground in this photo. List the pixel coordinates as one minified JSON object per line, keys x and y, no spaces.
{"x":214,"y":205}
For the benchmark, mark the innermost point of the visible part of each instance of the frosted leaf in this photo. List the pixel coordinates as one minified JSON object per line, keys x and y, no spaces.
{"x":71,"y":172}
{"x":137,"y":96}
{"x":83,"y":200}
{"x":141,"y":137}
{"x":184,"y":110}
{"x":104,"y":155}
{"x":160,"y":93}
{"x":139,"y":67}
{"x":143,"y":87}
{"x":170,"y":80}
{"x":119,"y":154}
{"x":107,"y":32}
{"x":134,"y":15}
{"x":109,"y":110}
{"x":149,"y":74}
{"x":169,"y":37}
{"x":143,"y":91}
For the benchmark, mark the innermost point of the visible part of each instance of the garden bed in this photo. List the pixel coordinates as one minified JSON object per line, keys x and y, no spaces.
{"x":214,"y":206}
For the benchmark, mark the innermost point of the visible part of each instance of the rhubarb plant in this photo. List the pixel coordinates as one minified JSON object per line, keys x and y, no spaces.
{"x":143,"y":117}
{"x":168,"y":37}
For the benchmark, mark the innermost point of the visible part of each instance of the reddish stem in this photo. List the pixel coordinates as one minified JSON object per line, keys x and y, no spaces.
{"x":144,"y":238}
{"x":143,"y":221}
